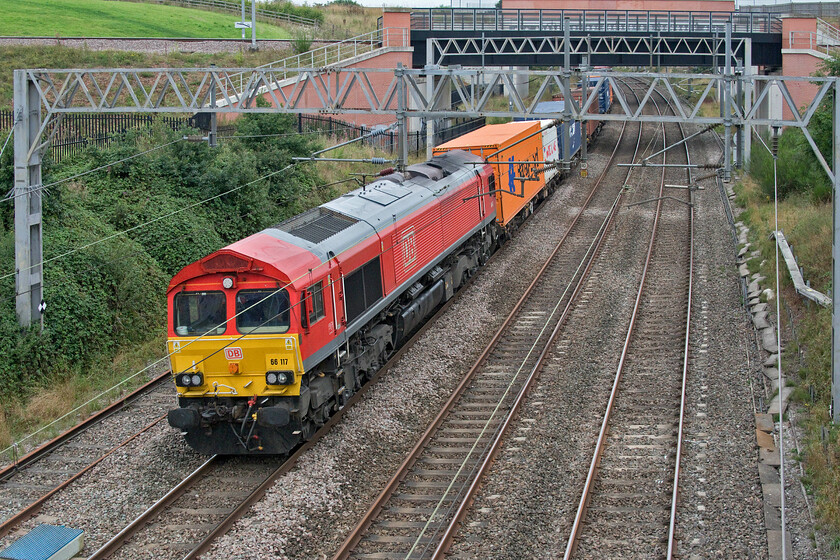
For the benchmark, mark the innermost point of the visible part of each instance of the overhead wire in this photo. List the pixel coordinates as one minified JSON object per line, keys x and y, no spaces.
{"x":88,"y":172}
{"x":152,"y":221}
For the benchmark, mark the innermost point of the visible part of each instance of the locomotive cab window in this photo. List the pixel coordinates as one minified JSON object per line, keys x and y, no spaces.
{"x":198,"y":313}
{"x":316,"y":302}
{"x":262,"y":311}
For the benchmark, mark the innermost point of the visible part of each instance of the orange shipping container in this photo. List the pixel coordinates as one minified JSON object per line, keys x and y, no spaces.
{"x":487,"y":140}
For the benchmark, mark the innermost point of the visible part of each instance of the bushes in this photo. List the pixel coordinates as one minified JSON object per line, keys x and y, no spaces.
{"x":112,"y":295}
{"x":798,"y":170}
{"x":289,"y":8}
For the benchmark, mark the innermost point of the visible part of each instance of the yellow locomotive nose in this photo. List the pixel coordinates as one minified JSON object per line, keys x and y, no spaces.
{"x":263,"y":365}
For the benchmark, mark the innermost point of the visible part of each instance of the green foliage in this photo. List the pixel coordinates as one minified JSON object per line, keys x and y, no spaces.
{"x":156,"y":213}
{"x":797,"y":169}
{"x":286,"y":7}
{"x":301,"y":42}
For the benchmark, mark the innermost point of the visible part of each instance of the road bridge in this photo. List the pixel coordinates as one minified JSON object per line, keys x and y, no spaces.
{"x":490,"y":37}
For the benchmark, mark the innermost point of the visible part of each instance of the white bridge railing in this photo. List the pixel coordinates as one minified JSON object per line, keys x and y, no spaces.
{"x":328,"y":55}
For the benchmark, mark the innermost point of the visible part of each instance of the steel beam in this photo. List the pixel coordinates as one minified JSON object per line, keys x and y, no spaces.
{"x":835,"y":253}
{"x":28,"y":233}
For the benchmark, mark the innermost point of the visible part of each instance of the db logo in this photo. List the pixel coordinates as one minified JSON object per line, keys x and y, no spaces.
{"x":233,"y":353}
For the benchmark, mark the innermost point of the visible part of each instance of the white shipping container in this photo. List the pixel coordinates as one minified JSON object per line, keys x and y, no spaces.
{"x":551,"y":147}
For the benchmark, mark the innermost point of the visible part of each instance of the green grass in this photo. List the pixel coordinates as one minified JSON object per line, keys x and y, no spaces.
{"x":807,"y":225}
{"x":103,"y":18}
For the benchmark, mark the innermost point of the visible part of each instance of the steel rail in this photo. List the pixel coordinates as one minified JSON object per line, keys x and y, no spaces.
{"x":367,"y":519}
{"x":107,"y":549}
{"x":495,"y":446}
{"x":287,"y":466}
{"x":571,"y":545}
{"x":35,"y":506}
{"x":672,"y":524}
{"x":585,"y":497}
{"x":34,"y":455}
{"x":448,"y":537}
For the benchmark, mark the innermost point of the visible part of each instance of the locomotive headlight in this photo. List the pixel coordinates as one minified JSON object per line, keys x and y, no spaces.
{"x":189,"y":380}
{"x":280,"y":377}
{"x":227,"y":282}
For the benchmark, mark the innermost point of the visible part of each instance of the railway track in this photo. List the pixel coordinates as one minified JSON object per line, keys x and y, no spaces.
{"x":418,"y":512}
{"x":628,"y":505}
{"x":230,"y":486}
{"x":32,"y":479}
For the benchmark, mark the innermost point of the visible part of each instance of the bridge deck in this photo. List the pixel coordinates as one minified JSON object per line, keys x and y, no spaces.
{"x":670,"y":28}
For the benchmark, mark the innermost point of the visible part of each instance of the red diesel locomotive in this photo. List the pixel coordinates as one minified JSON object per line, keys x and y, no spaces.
{"x":271,"y":335}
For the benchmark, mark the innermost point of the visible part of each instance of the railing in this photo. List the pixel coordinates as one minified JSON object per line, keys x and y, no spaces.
{"x":234,"y":8}
{"x":329,"y":54}
{"x":827,"y":34}
{"x":811,"y":41}
{"x":78,"y":132}
{"x":813,"y":9}
{"x":483,"y":19}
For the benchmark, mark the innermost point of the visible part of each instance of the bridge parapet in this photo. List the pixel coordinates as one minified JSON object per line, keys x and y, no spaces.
{"x":592,"y":21}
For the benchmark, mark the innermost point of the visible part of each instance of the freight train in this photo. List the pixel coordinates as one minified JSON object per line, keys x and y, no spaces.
{"x":271,"y":335}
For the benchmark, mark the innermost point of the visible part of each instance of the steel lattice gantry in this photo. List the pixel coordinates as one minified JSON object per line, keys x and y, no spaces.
{"x":488,"y":37}
{"x":628,"y":50}
{"x":42,"y":97}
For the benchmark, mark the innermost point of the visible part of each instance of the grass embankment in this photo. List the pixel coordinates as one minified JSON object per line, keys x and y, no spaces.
{"x":342,"y":21}
{"x":807,"y":225}
{"x":101,"y":18}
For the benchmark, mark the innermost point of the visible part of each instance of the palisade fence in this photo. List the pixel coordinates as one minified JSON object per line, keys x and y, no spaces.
{"x":231,"y":7}
{"x":78,"y":132}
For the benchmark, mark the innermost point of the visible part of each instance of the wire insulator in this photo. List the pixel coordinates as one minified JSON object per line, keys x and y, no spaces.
{"x":378,"y":160}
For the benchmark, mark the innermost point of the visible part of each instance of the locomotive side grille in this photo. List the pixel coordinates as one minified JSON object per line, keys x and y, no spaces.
{"x":317,"y":224}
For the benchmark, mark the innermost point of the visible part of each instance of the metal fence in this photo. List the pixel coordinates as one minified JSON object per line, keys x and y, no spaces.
{"x":603,"y":21}
{"x":221,"y":5}
{"x":78,"y":132}
{"x":817,"y":9}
